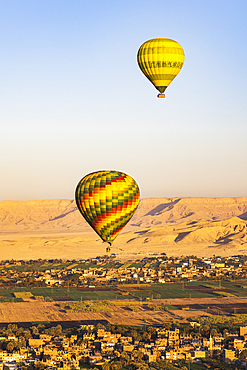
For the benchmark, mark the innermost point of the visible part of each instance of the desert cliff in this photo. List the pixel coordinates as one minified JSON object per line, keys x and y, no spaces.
{"x":175,"y":226}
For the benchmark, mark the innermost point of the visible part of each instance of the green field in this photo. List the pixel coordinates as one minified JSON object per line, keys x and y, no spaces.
{"x":142,"y":292}
{"x":9,"y":295}
{"x":170,"y":290}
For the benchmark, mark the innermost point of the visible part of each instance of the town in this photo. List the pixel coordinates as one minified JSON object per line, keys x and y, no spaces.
{"x":116,"y":347}
{"x":105,"y":270}
{"x":216,"y":339}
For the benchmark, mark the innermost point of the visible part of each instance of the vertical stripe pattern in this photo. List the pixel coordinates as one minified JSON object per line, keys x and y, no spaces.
{"x":160,"y":60}
{"x":107,"y":200}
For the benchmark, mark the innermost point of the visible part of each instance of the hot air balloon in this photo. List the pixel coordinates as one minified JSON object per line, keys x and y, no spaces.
{"x":160,"y":60}
{"x":107,"y":200}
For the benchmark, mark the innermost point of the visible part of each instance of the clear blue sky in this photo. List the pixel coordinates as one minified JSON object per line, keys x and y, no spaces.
{"x":74,"y":101}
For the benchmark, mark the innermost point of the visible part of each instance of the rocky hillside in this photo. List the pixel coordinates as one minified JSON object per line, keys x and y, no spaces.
{"x":175,"y":226}
{"x":63,"y":216}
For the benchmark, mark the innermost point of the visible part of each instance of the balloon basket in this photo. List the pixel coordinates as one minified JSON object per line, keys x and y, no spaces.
{"x":161,"y":96}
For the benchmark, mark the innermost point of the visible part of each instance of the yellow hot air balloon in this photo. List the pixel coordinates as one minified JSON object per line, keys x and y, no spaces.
{"x":160,"y":60}
{"x":107,"y":200}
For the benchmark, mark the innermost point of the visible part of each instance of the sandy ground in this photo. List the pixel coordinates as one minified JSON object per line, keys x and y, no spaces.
{"x":50,"y":311}
{"x":51,"y":246}
{"x":128,"y":246}
{"x":46,"y":311}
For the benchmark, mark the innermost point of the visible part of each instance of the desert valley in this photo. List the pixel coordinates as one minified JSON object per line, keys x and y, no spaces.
{"x":175,"y":226}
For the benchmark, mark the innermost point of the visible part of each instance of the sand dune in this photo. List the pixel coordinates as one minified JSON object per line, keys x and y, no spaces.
{"x":176,"y":226}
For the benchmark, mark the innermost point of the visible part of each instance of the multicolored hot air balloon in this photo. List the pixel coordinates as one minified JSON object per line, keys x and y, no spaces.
{"x":160,"y":60}
{"x":107,"y":200}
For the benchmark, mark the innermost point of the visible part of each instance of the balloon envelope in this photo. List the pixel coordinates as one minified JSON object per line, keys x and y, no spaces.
{"x":107,"y":200}
{"x":160,"y":60}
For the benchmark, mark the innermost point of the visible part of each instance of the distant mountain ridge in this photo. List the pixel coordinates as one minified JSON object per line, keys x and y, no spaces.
{"x":175,"y":226}
{"x":62,"y":215}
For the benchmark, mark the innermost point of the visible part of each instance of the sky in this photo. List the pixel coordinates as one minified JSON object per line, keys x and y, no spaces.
{"x":73,"y":99}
